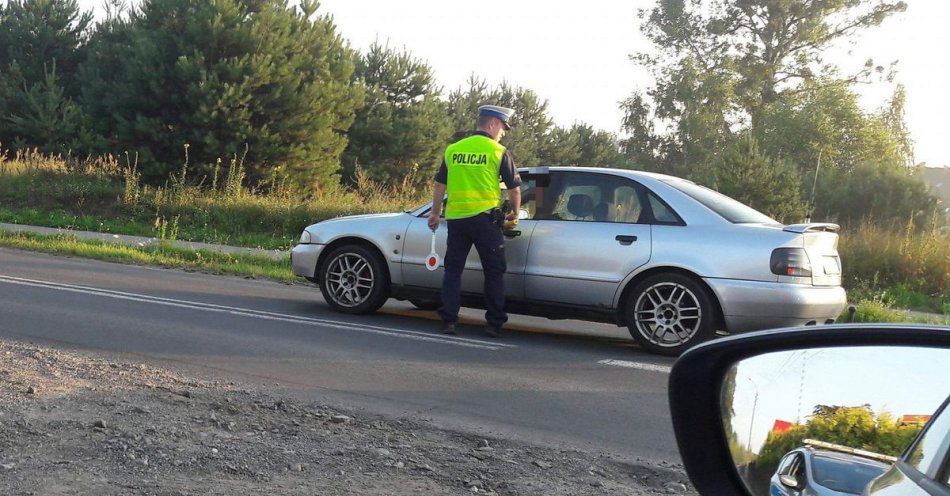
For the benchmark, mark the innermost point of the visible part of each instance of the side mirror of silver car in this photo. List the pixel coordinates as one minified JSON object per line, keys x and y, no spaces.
{"x":847,"y":409}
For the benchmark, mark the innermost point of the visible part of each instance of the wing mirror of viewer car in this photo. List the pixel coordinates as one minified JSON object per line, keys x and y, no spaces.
{"x":832,"y":410}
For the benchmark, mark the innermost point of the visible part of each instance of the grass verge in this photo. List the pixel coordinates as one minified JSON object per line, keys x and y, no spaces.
{"x":160,"y":255}
{"x":875,"y":311}
{"x":102,"y":195}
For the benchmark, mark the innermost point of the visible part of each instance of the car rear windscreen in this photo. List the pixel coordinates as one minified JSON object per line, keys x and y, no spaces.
{"x":729,"y":209}
{"x":843,"y":475}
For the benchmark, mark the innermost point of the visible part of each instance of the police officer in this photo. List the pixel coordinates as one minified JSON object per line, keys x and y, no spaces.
{"x":469,"y":176}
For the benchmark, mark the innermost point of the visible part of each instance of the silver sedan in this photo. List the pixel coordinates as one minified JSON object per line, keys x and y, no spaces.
{"x":673,"y":261}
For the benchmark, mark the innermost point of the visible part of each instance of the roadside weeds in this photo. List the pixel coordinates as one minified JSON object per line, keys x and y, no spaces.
{"x":163,"y":255}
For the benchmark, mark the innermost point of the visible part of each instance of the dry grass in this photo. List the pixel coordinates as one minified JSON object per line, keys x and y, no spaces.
{"x":912,"y":259}
{"x":106,"y":194}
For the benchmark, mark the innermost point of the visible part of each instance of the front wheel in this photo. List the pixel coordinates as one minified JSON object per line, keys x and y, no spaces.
{"x":354,"y":279}
{"x":670,"y":313}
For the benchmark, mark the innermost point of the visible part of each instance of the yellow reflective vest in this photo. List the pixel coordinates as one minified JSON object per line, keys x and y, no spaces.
{"x":473,"y":176}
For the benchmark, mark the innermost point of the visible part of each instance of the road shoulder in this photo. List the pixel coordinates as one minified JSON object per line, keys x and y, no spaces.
{"x":74,"y":422}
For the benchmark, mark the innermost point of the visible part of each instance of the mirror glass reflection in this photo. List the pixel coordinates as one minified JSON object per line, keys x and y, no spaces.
{"x":827,"y":421}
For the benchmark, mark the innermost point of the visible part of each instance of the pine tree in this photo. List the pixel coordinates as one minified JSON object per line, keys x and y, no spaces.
{"x":42,"y":42}
{"x":259,"y":79}
{"x":533,"y":128}
{"x":401,"y":129}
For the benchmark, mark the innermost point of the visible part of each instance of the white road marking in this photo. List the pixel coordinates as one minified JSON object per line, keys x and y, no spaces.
{"x":652,"y":367}
{"x":260,"y":314}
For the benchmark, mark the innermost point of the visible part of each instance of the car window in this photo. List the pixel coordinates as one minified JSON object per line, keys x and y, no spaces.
{"x":529,"y":203}
{"x":786,"y":466}
{"x":592,"y":197}
{"x":931,"y":448}
{"x":662,"y":214}
{"x":626,"y":207}
{"x":727,"y":208}
{"x":798,"y":468}
{"x":843,"y":475}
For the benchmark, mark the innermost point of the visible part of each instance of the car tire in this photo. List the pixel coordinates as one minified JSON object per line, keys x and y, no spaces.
{"x":425,"y":304}
{"x":354,"y":279}
{"x":675,"y":313}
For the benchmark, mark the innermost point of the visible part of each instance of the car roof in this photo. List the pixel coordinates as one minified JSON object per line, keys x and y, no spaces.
{"x":633,"y":174}
{"x":846,"y":457}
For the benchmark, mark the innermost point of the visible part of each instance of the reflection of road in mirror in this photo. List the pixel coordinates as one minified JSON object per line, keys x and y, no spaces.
{"x":872,"y":399}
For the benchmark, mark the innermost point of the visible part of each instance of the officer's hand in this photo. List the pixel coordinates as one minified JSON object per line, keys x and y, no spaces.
{"x":511,"y":220}
{"x":433,"y":222}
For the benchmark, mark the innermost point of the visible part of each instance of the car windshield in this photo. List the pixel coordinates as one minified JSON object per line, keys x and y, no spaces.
{"x":843,"y":475}
{"x":726,"y":207}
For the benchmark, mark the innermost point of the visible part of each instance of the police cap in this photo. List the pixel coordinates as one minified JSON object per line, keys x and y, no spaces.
{"x":502,"y":113}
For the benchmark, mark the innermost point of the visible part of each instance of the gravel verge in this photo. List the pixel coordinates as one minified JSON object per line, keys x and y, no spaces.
{"x":75,"y":423}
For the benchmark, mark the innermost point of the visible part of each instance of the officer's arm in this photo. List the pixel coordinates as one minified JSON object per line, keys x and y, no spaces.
{"x":509,"y":175}
{"x":438,"y":193}
{"x":514,"y":196}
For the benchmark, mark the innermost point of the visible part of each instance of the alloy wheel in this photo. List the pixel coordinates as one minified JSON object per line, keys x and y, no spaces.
{"x":668,"y":314}
{"x":350,"y":279}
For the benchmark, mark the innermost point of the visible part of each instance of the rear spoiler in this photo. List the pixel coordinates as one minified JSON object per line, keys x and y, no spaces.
{"x":813,"y":227}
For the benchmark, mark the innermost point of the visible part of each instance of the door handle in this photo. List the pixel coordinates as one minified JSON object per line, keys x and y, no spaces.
{"x":625,"y":240}
{"x":511,"y":234}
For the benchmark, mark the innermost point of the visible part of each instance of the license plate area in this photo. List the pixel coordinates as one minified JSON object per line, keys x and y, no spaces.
{"x":832,"y":265}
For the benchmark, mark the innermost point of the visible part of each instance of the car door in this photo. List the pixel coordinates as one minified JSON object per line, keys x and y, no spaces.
{"x":794,"y":468}
{"x":588,"y":238}
{"x":419,"y":239}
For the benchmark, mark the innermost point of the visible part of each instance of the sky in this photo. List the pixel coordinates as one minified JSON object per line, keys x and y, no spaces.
{"x":575,"y":53}
{"x":902,"y":381}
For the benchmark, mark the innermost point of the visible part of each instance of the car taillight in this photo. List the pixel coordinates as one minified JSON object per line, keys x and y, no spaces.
{"x":790,"y":262}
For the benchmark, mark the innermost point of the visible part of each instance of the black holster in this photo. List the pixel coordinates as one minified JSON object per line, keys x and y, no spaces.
{"x":498,"y":215}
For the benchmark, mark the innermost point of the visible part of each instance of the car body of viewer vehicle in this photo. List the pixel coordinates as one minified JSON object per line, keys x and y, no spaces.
{"x":924,"y":469}
{"x":814,"y":471}
{"x":672,"y":260}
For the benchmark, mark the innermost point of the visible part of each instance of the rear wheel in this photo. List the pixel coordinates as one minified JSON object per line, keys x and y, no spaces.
{"x":354,"y":279}
{"x":670,"y":313}
{"x":425,"y":304}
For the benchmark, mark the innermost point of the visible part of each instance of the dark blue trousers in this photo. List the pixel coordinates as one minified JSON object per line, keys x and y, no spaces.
{"x":490,"y":244}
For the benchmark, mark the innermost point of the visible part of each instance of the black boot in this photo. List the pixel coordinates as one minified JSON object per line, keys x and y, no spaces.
{"x":492,"y":331}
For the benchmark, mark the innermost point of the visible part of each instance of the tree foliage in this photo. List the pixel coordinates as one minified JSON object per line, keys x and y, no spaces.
{"x":42,"y":43}
{"x":226,"y":78}
{"x":855,"y":427}
{"x":532,"y":129}
{"x":534,"y":138}
{"x":399,"y":132}
{"x":36,"y":33}
{"x":769,"y":185}
{"x":741,"y":55}
{"x":728,"y":69}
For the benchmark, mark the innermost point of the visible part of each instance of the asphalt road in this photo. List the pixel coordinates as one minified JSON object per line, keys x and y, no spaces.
{"x":568,"y":383}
